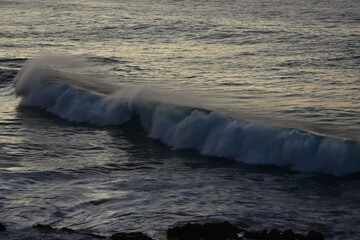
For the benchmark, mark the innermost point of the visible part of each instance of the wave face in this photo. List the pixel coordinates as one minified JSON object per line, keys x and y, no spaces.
{"x":47,"y":83}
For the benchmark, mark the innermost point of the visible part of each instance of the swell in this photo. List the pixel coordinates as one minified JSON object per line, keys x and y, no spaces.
{"x":76,"y":98}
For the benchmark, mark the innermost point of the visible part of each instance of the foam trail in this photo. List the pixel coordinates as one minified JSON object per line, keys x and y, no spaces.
{"x":71,"y":96}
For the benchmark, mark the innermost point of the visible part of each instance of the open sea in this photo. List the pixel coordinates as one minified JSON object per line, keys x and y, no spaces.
{"x":138,"y":115}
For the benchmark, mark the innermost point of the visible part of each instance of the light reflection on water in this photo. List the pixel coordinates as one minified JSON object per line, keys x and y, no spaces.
{"x":288,"y":63}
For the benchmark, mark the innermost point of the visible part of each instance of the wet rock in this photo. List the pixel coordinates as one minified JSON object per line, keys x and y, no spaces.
{"x":80,"y":232}
{"x":2,"y":227}
{"x":67,"y":230}
{"x":256,"y":235}
{"x":48,"y":229}
{"x":43,"y":228}
{"x":130,"y":236}
{"x":300,"y":237}
{"x":192,"y":231}
{"x":288,"y":235}
{"x":207,"y":231}
{"x":274,"y":235}
{"x":313,"y":235}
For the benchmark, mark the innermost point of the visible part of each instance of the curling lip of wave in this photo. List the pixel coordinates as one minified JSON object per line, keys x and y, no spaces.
{"x":75,"y":99}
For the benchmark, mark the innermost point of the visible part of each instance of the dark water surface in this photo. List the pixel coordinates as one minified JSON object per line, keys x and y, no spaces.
{"x":140,"y":153}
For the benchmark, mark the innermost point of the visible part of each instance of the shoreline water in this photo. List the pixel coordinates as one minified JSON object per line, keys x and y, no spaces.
{"x":188,"y":231}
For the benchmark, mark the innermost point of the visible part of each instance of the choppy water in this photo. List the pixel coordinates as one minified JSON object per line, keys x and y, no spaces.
{"x":245,"y":111}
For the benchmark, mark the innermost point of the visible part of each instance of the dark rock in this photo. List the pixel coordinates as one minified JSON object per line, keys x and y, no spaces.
{"x":97,"y":236}
{"x":68,"y":230}
{"x":43,"y":228}
{"x":313,"y":235}
{"x":130,"y":236}
{"x":273,"y":235}
{"x":207,"y":231}
{"x":2,"y":227}
{"x":300,"y":237}
{"x":189,"y":231}
{"x":256,"y":235}
{"x":48,"y":229}
{"x":71,"y":231}
{"x":288,"y":235}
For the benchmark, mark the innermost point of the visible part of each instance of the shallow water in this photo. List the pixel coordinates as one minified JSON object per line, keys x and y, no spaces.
{"x":284,"y":69}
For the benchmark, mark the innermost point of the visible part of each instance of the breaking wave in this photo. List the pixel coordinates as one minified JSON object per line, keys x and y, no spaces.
{"x":53,"y":84}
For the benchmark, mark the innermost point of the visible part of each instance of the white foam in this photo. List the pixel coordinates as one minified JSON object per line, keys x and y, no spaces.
{"x":182,"y":127}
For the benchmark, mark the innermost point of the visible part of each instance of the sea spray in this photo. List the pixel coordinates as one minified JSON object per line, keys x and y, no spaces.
{"x":63,"y":90}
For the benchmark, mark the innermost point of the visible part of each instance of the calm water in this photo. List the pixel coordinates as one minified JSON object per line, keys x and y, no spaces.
{"x":173,"y":111}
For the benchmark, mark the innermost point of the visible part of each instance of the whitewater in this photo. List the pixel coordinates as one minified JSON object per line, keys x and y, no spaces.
{"x":181,"y":127}
{"x":143,"y":115}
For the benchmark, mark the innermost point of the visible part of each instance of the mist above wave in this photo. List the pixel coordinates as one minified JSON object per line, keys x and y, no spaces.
{"x":69,"y":87}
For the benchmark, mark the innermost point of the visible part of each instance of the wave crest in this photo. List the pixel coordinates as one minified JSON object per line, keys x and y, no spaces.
{"x":74,"y":97}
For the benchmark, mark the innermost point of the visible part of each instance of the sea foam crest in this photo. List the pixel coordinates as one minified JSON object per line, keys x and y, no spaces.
{"x":71,"y":97}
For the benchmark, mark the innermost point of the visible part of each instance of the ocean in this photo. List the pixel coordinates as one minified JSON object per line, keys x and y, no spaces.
{"x":139,"y":115}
